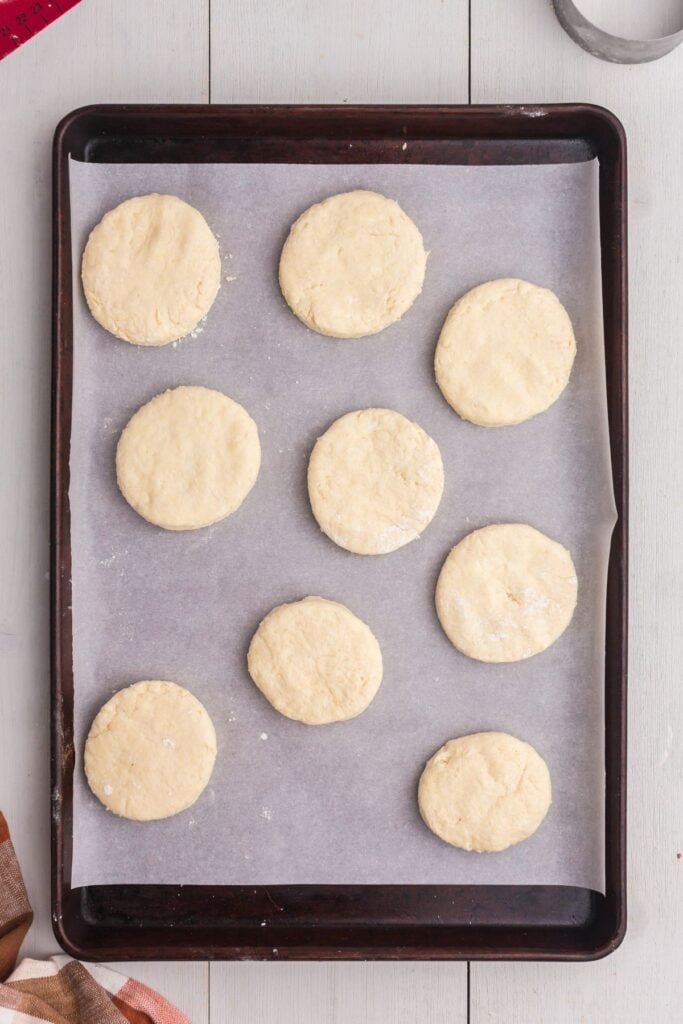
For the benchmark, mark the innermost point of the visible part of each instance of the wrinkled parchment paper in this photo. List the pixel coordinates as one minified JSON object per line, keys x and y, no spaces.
{"x":290,"y":803}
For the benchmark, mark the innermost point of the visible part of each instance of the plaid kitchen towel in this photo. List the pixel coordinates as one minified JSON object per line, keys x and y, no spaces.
{"x":61,"y":990}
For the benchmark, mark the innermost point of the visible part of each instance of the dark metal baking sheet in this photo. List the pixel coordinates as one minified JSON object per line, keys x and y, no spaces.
{"x":456,"y":922}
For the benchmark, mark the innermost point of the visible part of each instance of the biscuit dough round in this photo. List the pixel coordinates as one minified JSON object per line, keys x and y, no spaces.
{"x":505,"y":352}
{"x":484,"y":792}
{"x":151,"y":269}
{"x":352,"y":265}
{"x":150,"y":751}
{"x":188,"y":458}
{"x":315,"y":661}
{"x":506,"y":592}
{"x":375,"y":480}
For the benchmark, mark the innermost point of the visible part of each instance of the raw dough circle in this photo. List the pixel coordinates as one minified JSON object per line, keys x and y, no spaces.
{"x":315,"y":661}
{"x":150,"y":751}
{"x":505,"y":352}
{"x":151,"y":269}
{"x":352,"y":265}
{"x":484,"y":792}
{"x":375,"y":481}
{"x":506,"y":592}
{"x":188,"y":458}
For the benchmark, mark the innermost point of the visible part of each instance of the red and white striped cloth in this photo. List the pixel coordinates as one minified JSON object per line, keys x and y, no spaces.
{"x":61,"y":990}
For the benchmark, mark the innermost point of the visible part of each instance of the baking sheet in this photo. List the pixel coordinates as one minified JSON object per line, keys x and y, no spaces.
{"x":294,"y":804}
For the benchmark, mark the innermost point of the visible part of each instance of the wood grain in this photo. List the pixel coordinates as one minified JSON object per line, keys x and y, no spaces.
{"x":159,"y":51}
{"x":339,"y":51}
{"x":404,"y":993}
{"x":640,"y":982}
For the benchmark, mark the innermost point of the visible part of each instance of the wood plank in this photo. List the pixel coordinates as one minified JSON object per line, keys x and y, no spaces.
{"x":349,"y":51}
{"x":156,"y":51}
{"x":338,"y":993}
{"x":520,"y":54}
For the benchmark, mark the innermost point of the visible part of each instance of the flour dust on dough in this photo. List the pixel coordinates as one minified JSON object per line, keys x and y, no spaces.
{"x":375,"y":480}
{"x":150,"y":751}
{"x":484,"y":792}
{"x":506,"y":592}
{"x":315,"y":661}
{"x":352,"y":264}
{"x":505,"y":352}
{"x":188,"y":458}
{"x":151,"y":269}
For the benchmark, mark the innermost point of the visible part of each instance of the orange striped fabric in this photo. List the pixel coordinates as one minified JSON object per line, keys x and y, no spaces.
{"x":61,"y":990}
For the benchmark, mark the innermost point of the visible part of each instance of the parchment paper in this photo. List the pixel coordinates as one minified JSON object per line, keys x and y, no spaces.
{"x":290,"y":803}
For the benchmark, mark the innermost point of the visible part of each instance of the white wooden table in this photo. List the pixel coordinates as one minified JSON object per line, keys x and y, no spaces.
{"x":387,"y":51}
